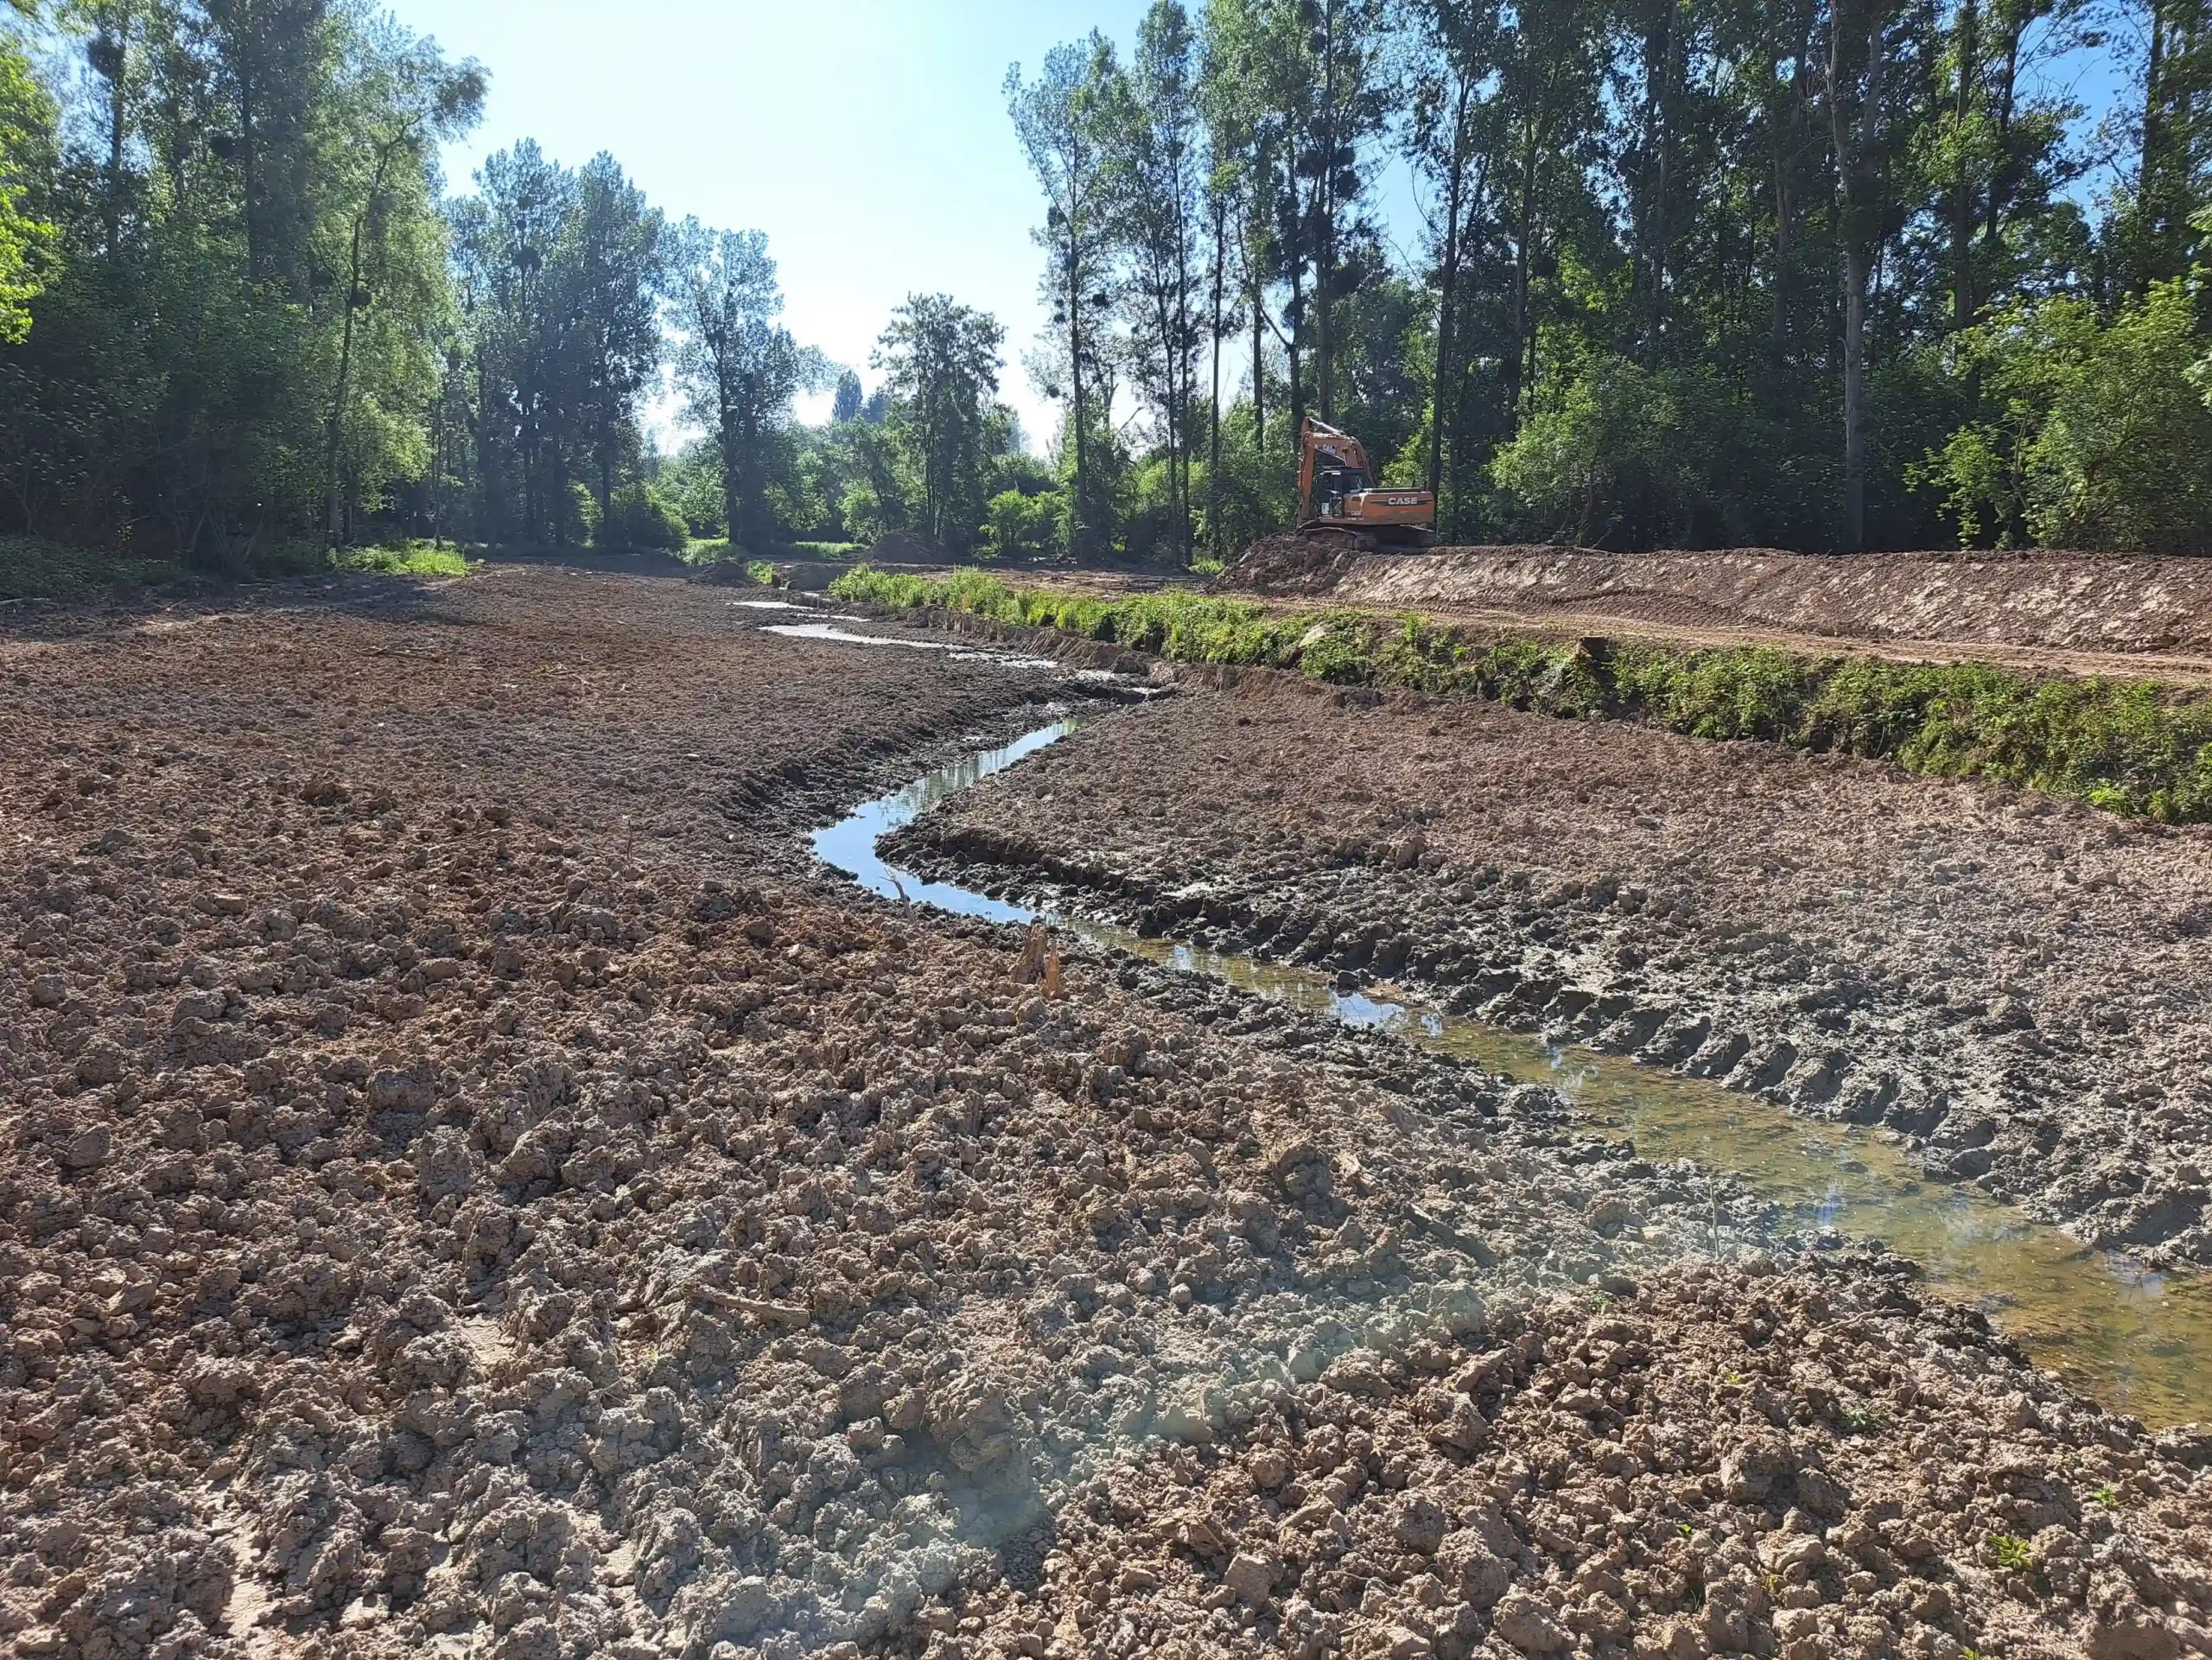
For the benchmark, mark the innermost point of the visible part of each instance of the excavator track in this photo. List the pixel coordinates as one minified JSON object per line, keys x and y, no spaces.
{"x":1382,"y":540}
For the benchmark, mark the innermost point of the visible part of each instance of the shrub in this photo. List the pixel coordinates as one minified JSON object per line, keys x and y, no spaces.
{"x":2097,"y":434}
{"x":1617,"y":454}
{"x":638,"y":516}
{"x":1018,"y":526}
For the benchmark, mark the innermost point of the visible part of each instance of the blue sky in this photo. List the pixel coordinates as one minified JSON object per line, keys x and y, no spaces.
{"x":868,"y":138}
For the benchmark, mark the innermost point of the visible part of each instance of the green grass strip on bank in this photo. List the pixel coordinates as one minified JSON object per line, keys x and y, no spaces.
{"x":2134,"y":748}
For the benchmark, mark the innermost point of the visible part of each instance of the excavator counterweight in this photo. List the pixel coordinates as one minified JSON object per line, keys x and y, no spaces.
{"x":1337,"y":495}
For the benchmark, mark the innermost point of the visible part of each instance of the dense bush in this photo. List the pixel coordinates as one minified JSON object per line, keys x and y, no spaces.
{"x":2102,"y":436}
{"x":638,"y":516}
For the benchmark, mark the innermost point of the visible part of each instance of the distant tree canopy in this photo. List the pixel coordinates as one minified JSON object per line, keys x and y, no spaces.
{"x":1840,"y":274}
{"x":238,"y":315}
{"x":1850,"y":273}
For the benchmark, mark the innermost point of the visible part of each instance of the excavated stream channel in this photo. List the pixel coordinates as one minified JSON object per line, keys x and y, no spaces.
{"x":2138,"y":1341}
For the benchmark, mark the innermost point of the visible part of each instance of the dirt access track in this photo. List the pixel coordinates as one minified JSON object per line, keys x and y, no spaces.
{"x":2083,"y":614}
{"x":470,"y":1185}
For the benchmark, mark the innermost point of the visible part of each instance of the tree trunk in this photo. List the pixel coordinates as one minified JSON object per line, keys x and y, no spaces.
{"x":1259,"y":298}
{"x":488,"y":481}
{"x":732,"y":484}
{"x":250,"y":174}
{"x":1448,"y":300}
{"x":606,"y":476}
{"x":118,"y":115}
{"x":1080,"y":523}
{"x":1296,"y":411}
{"x":1854,"y":400}
{"x":1324,"y":228}
{"x":1517,"y":380}
{"x":1644,"y":277}
{"x":1968,"y":53}
{"x":1213,"y":419}
{"x":1854,"y":124}
{"x":1185,"y":371}
{"x":338,"y":401}
{"x":2003,"y":178}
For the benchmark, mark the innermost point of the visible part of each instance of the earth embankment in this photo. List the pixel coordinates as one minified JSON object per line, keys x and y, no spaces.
{"x":2088,"y":613}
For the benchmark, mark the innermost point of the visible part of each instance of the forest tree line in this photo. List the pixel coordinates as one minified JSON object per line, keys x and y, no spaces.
{"x":1819,"y":274}
{"x":240,"y":314}
{"x":1815,"y":274}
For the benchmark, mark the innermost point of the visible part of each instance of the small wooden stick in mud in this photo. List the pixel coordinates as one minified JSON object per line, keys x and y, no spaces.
{"x":1040,"y":962}
{"x":731,"y":1303}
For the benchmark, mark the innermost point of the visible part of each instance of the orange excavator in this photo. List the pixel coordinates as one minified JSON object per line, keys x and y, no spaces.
{"x":1337,"y":495}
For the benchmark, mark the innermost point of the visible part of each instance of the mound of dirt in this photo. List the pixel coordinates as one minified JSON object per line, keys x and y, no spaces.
{"x":2064,"y":601}
{"x":905,"y":548}
{"x":1290,"y":566}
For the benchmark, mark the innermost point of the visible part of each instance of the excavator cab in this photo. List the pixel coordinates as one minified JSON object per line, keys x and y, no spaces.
{"x":1337,"y":495}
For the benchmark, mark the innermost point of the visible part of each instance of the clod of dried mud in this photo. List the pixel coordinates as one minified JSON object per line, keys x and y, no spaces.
{"x":466,"y":1190}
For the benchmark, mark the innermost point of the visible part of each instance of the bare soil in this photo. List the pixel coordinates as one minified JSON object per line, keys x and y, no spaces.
{"x":470,"y":1188}
{"x":2083,"y":614}
{"x":2016,"y":987}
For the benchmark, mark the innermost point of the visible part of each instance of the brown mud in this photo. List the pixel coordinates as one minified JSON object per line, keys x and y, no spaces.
{"x":470,"y":1187}
{"x":2041,"y":613}
{"x":2015,"y":987}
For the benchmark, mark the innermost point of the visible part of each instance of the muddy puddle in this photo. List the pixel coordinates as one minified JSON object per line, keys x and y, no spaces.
{"x":2138,"y":1341}
{"x":829,"y":631}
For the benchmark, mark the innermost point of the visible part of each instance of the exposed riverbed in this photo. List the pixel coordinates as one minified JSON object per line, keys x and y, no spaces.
{"x":481,"y":1188}
{"x":2137,"y":1339}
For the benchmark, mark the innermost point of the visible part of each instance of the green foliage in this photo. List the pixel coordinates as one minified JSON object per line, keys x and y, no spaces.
{"x":2099,"y":435}
{"x":26,"y":135}
{"x":638,"y":516}
{"x":1616,"y":455}
{"x":410,"y":559}
{"x":32,"y":568}
{"x":2012,"y":1553}
{"x":2135,"y":749}
{"x":691,"y":482}
{"x":942,"y":362}
{"x":1591,"y":346}
{"x":740,"y":369}
{"x":1019,"y":526}
{"x":241,"y":328}
{"x":1860,"y":1417}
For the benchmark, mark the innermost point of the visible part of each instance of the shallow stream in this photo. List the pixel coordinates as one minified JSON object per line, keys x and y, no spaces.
{"x":2138,"y":1341}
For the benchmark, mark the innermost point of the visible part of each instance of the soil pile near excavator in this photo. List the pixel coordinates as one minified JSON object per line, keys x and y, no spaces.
{"x":2068,"y":602}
